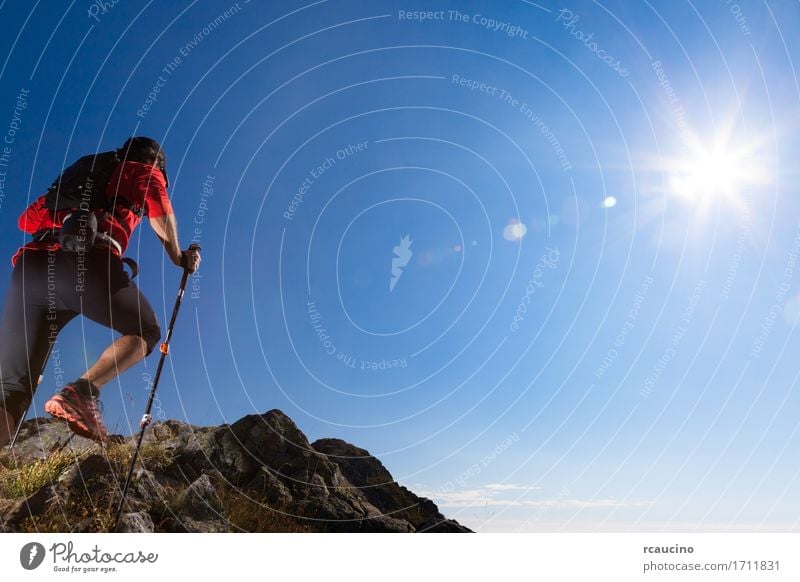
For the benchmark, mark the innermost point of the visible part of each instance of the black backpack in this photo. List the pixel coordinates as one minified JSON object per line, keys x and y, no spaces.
{"x":83,"y":186}
{"x":82,"y":189}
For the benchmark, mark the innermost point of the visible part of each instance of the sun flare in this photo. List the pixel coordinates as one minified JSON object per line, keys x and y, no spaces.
{"x":718,"y":172}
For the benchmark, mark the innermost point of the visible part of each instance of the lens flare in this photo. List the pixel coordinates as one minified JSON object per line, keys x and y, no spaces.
{"x":514,"y":231}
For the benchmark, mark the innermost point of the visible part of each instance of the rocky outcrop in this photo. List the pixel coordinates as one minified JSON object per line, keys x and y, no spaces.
{"x":257,"y":474}
{"x":376,"y":483}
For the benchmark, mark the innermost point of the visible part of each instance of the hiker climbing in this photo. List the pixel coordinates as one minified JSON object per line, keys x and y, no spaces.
{"x":74,"y":265}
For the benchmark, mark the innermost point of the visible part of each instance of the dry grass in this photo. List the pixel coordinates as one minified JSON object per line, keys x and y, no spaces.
{"x":95,"y":512}
{"x":68,"y":518}
{"x":91,"y":508}
{"x":151,"y":456}
{"x":249,"y":516}
{"x":17,"y":482}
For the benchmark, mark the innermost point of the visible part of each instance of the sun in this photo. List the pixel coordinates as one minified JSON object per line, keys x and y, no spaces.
{"x":718,"y":171}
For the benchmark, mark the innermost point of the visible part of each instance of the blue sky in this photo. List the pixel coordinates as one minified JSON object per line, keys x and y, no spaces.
{"x":596,"y":325}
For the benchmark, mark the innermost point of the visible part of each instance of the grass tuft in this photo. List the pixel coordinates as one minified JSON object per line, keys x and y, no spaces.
{"x":23,"y":480}
{"x":247,"y":515}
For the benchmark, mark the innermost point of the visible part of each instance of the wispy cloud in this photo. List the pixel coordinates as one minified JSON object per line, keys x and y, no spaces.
{"x":508,"y":487}
{"x":512,"y":495}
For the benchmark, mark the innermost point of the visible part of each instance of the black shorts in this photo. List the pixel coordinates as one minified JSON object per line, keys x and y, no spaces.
{"x":48,"y":289}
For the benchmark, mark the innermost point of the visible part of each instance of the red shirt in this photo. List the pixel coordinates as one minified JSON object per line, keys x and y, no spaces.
{"x":140,"y":184}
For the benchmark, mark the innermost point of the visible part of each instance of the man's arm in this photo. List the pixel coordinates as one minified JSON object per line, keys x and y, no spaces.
{"x":166,"y":228}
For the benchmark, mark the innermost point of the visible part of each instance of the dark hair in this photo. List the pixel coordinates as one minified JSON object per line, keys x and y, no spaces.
{"x":146,"y":151}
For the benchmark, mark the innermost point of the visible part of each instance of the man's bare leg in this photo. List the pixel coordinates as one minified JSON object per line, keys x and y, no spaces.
{"x":77,"y":404}
{"x":118,"y":357}
{"x":7,"y":427}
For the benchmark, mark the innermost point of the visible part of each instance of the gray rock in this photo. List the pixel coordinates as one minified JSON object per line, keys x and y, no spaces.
{"x":442,"y":525}
{"x":199,"y":508}
{"x":139,"y":522}
{"x":370,"y":477}
{"x":146,"y":494}
{"x":268,"y":487}
{"x":38,"y":437}
{"x":84,"y":470}
{"x":32,"y":506}
{"x":85,"y":480}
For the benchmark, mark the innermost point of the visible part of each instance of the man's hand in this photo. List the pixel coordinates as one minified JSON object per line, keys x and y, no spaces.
{"x":190,"y":259}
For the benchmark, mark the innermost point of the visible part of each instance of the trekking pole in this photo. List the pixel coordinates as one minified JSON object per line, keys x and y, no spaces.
{"x":147,"y":418}
{"x":25,"y":414}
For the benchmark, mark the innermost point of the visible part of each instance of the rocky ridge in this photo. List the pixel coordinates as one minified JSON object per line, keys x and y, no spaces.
{"x":257,"y":474}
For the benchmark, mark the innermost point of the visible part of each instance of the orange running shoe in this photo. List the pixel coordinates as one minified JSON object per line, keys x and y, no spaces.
{"x":82,"y":413}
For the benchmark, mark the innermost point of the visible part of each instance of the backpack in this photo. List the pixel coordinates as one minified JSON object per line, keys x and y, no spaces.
{"x":82,"y":186}
{"x":82,"y":189}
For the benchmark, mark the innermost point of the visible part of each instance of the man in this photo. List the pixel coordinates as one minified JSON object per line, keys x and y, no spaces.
{"x":50,"y":285}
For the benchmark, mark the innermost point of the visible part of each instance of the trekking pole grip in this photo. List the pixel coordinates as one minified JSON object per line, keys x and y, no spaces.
{"x":192,"y":247}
